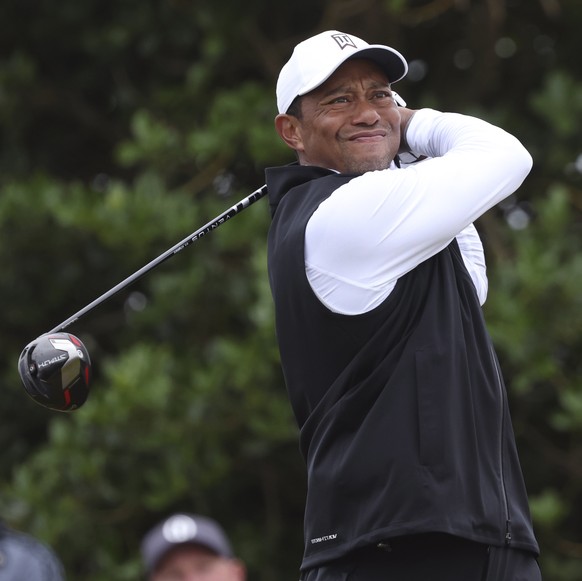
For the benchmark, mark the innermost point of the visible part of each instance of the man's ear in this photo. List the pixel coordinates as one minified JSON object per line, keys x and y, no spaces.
{"x":288,"y":128}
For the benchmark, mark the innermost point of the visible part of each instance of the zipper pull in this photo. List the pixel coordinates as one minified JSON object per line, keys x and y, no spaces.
{"x":508,"y":532}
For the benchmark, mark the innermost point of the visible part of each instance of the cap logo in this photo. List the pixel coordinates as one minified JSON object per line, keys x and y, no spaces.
{"x":343,"y":40}
{"x":179,"y":528}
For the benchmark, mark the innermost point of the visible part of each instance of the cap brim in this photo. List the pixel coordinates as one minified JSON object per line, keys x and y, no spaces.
{"x":157,"y":558}
{"x":388,"y":59}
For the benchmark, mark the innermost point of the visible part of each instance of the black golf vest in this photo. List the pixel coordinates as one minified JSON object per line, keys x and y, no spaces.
{"x":402,"y":410}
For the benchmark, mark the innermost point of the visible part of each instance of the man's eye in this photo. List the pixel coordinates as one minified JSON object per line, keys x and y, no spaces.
{"x":339,"y":100}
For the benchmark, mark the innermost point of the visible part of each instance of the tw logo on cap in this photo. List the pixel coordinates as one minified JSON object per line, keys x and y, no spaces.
{"x":343,"y":40}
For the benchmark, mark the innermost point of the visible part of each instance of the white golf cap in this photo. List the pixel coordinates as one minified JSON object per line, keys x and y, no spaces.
{"x":314,"y":60}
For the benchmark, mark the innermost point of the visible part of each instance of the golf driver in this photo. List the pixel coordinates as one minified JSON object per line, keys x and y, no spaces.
{"x":55,"y":368}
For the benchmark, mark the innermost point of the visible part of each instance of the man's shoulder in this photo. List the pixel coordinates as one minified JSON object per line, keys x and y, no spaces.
{"x":300,"y":178}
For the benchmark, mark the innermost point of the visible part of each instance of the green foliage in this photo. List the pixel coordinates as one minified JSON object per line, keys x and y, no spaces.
{"x":537,"y":276}
{"x":565,"y":96}
{"x":124,"y":126}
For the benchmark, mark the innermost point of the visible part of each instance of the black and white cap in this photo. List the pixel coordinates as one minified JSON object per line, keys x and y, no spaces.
{"x":183,"y":529}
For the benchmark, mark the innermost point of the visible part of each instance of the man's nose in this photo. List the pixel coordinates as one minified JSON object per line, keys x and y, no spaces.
{"x":365,"y":113}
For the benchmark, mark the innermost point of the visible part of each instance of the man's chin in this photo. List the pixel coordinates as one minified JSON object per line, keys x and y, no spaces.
{"x":365,"y":165}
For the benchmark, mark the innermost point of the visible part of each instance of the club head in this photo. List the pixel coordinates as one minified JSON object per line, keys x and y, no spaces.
{"x":56,"y":371}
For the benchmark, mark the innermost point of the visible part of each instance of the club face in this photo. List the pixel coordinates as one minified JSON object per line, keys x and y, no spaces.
{"x":56,"y":371}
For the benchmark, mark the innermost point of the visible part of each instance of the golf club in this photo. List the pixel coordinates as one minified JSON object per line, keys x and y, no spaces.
{"x":55,"y":368}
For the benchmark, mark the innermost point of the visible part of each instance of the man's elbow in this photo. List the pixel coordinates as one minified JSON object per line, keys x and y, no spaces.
{"x":522,"y":161}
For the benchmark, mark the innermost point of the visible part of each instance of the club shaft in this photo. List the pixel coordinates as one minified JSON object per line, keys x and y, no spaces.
{"x":213,"y":224}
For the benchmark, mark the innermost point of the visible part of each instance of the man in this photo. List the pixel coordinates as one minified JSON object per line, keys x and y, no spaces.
{"x":378,"y":278}
{"x":187,"y":547}
{"x":24,"y":558}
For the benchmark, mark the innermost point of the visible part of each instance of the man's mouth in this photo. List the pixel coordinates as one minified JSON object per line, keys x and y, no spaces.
{"x":368,"y":136}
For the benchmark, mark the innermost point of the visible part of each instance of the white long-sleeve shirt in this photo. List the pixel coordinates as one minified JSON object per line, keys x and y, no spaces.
{"x":382,"y":224}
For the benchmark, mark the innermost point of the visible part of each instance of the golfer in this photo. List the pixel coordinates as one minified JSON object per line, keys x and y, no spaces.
{"x":378,"y":277}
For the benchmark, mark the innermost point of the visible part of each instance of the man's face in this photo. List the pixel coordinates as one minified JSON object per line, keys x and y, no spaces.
{"x":194,"y":563}
{"x":351,"y":122}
